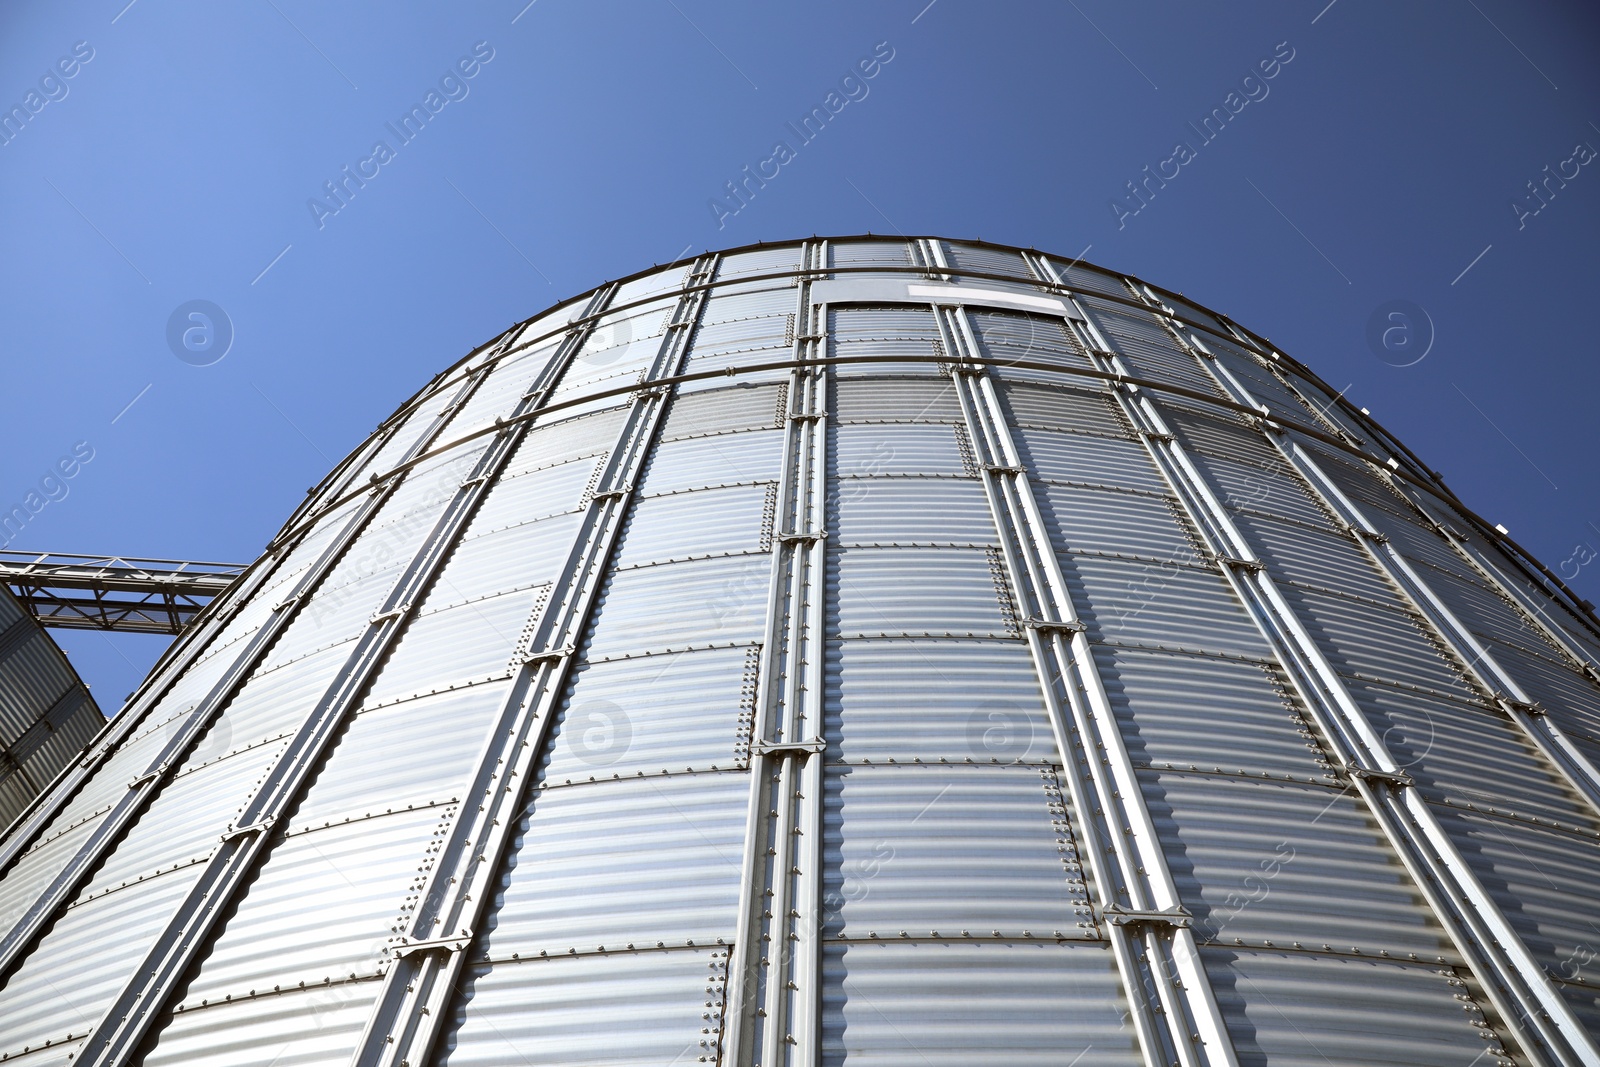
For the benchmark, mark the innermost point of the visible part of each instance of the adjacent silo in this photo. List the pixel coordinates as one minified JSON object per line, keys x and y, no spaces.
{"x":863,"y":651}
{"x":46,"y":714}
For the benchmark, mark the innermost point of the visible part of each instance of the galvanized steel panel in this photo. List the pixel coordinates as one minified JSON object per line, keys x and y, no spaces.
{"x":1101,"y":520}
{"x":674,"y":605}
{"x":406,"y":754}
{"x":1149,"y":351}
{"x":597,"y":369}
{"x":1170,"y":604}
{"x":1071,"y":410}
{"x":1079,"y":459}
{"x":976,"y":701}
{"x":859,"y":451}
{"x":184,"y":821}
{"x":868,"y":253}
{"x":676,"y":711}
{"x":457,"y":644}
{"x":698,"y":523}
{"x":666,"y":280}
{"x":1535,"y":873}
{"x":927,"y":592}
{"x":1376,"y":638}
{"x":1083,"y":277}
{"x":31,"y":874}
{"x":46,"y":714}
{"x":1469,"y":753}
{"x":624,"y":1008}
{"x":294,"y":1028}
{"x":275,"y":702}
{"x":894,"y":400}
{"x":622,"y":862}
{"x":943,"y":917}
{"x":1179,"y":709}
{"x":760,"y":304}
{"x":1269,"y":860}
{"x":1308,"y":1011}
{"x":536,"y":495}
{"x":498,"y":394}
{"x":950,"y":851}
{"x":1011,"y":337}
{"x":530,"y":553}
{"x":80,"y":964}
{"x":1296,"y":552}
{"x":724,"y":411}
{"x":361,"y":868}
{"x":564,"y":438}
{"x":726,"y":459}
{"x":963,"y":1004}
{"x":773,"y":260}
{"x":903,"y":511}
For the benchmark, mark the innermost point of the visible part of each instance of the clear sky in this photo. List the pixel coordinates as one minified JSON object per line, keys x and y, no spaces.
{"x":1383,"y":160}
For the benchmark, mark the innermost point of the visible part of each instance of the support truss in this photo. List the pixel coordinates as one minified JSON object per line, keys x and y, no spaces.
{"x":144,"y":596}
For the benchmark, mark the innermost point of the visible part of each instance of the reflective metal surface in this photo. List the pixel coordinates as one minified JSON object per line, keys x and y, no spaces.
{"x":46,"y":713}
{"x":854,"y":651}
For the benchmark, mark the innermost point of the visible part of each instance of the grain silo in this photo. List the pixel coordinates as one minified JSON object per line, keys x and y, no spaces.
{"x":848,"y":651}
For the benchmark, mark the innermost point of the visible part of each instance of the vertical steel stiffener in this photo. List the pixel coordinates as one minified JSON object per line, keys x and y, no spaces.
{"x":664,"y":727}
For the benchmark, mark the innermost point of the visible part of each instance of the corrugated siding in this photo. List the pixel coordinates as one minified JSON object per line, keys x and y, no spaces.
{"x":1535,"y":874}
{"x":1088,"y":279}
{"x":623,"y":861}
{"x":511,"y":377}
{"x":1148,"y":349}
{"x":456,"y":645}
{"x":1071,"y":410}
{"x":272,"y":703}
{"x":1171,"y":604}
{"x":1011,"y":337}
{"x":1079,"y":459}
{"x":1469,"y":753}
{"x":408,"y":754}
{"x":859,"y":450}
{"x":868,"y":254}
{"x":974,"y":700}
{"x":302,"y":1028}
{"x":931,"y":592}
{"x":904,"y":511}
{"x":359,"y":871}
{"x":890,"y":400}
{"x":893,"y":1004}
{"x":81,"y":964}
{"x":667,"y":280}
{"x":884,"y":331}
{"x":654,"y":609}
{"x":1181,"y":709}
{"x":628,"y":1008}
{"x":698,"y":523}
{"x":723,"y":411}
{"x":985,"y":260}
{"x":949,"y":851}
{"x":675,"y":711}
{"x":956,"y":922}
{"x":1270,"y":860}
{"x":1107,"y":521}
{"x":1263,"y":386}
{"x":46,"y":714}
{"x":1376,"y":639}
{"x":184,"y":821}
{"x":726,"y":459}
{"x":1303,"y":1011}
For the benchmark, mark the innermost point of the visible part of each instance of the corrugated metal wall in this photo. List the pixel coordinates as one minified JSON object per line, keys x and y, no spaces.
{"x":859,"y":651}
{"x":46,"y":715}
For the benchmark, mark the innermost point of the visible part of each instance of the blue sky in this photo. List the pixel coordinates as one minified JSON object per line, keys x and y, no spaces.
{"x":1380,"y":162}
